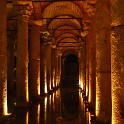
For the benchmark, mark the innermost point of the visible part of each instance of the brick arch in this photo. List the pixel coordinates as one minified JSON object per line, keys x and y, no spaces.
{"x":59,"y":8}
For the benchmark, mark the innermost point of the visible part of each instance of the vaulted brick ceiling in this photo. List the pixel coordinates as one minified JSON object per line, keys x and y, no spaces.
{"x":64,"y":20}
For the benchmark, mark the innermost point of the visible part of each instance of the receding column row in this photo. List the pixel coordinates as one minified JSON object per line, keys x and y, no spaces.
{"x":33,"y":65}
{"x":3,"y":58}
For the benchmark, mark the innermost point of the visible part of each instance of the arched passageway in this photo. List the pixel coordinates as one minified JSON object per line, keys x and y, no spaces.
{"x":70,"y":70}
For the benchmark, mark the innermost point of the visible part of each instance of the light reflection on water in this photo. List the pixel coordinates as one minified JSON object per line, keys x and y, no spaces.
{"x":61,"y":107}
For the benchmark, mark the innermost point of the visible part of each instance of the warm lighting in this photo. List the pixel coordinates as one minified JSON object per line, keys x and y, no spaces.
{"x":89,"y":95}
{"x":45,"y":78}
{"x":90,"y":81}
{"x":26,"y":89}
{"x":45,"y":88}
{"x":38,"y":81}
{"x":81,"y":82}
{"x":27,"y":94}
{"x":117,"y":83}
{"x":38,"y":114}
{"x":50,"y":86}
{"x":27,"y":117}
{"x":53,"y":81}
{"x":45,"y":110}
{"x":86,"y":89}
{"x":89,"y":117}
{"x":5,"y":108}
{"x":98,"y":95}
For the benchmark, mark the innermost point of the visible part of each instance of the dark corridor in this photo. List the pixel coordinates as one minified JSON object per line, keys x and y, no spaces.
{"x":70,"y":70}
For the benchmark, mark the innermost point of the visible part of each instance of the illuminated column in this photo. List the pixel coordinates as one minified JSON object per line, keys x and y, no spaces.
{"x":10,"y":62}
{"x":53,"y":65}
{"x":92,"y":63}
{"x":22,"y":94}
{"x":48,"y":66}
{"x":56,"y":71}
{"x":103,"y":62}
{"x":43,"y":72}
{"x":35,"y":61}
{"x":3,"y":58}
{"x":117,"y":61}
{"x":59,"y":69}
{"x":86,"y":87}
{"x":86,"y":45}
{"x":82,"y":65}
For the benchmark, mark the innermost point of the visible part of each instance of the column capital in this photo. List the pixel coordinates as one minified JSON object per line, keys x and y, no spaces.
{"x":86,"y":27}
{"x":91,"y":10}
{"x":24,"y":10}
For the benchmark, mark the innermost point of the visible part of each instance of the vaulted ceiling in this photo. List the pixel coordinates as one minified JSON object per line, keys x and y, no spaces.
{"x":64,"y":21}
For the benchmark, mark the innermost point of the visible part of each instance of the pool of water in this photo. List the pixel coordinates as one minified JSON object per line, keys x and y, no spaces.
{"x":64,"y":106}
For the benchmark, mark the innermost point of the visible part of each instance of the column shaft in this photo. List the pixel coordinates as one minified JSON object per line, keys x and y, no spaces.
{"x":56,"y":70}
{"x":53,"y":65}
{"x":103,"y":64}
{"x":117,"y":61}
{"x":92,"y":63}
{"x":35,"y":61}
{"x":82,"y":65}
{"x":59,"y":69}
{"x":10,"y":62}
{"x":48,"y":66}
{"x":3,"y":58}
{"x":43,"y":86}
{"x":86,"y":87}
{"x":22,"y":96}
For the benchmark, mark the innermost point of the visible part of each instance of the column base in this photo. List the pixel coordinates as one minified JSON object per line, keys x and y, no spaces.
{"x":6,"y":118}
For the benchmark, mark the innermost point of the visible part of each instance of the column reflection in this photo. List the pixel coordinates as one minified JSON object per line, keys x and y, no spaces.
{"x":63,"y":106}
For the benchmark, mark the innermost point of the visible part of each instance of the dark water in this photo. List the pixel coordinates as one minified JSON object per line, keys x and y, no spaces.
{"x":65,"y":106}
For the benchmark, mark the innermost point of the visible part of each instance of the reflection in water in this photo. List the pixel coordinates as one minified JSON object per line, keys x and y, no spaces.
{"x":45,"y":110}
{"x":64,"y":106}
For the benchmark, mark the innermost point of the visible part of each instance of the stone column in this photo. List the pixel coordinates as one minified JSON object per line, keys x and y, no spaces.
{"x":117,"y":61}
{"x":103,"y":61}
{"x":59,"y":69}
{"x":53,"y":65}
{"x":82,"y":65}
{"x":22,"y":94}
{"x":43,"y":86}
{"x":84,"y":34}
{"x":86,"y":87}
{"x":10,"y":62}
{"x":3,"y":58}
{"x":48,"y":66}
{"x":92,"y":63}
{"x":35,"y":61}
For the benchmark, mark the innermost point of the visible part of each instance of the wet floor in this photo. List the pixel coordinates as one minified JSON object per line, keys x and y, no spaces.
{"x":64,"y":106}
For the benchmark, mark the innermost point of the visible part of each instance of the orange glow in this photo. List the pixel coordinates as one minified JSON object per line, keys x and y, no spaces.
{"x":45,"y":78}
{"x":38,"y":82}
{"x":27,"y":93}
{"x":86,"y":90}
{"x":5,"y":108}
{"x":45,"y":110}
{"x":27,"y":117}
{"x":38,"y":114}
{"x":98,"y":95}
